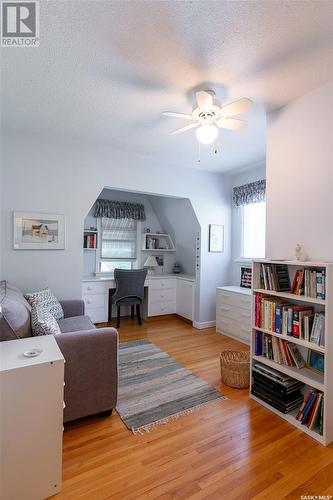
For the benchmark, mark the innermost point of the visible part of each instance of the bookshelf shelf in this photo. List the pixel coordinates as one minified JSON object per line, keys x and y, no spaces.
{"x":294,"y":340}
{"x":303,"y":374}
{"x":310,"y":378}
{"x":290,"y":417}
{"x":291,"y":296}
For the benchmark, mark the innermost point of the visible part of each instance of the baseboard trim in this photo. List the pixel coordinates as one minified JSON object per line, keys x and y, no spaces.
{"x":205,"y":324}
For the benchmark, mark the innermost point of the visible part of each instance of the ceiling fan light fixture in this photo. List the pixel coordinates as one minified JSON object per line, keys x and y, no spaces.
{"x":206,"y":134}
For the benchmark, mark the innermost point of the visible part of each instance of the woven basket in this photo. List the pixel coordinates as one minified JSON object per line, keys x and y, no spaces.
{"x":235,"y":368}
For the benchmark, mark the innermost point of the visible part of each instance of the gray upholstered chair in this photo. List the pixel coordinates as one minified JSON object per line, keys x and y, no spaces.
{"x":129,"y":292}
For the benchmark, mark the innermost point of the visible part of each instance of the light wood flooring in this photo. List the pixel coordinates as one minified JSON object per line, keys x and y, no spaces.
{"x":233,"y":449}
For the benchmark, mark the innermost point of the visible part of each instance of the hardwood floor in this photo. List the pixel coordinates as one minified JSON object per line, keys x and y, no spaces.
{"x":233,"y":449}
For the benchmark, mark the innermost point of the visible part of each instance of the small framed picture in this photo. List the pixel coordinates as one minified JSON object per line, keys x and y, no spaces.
{"x":246,"y":277}
{"x":38,"y":231}
{"x":316,"y":362}
{"x":216,"y":238}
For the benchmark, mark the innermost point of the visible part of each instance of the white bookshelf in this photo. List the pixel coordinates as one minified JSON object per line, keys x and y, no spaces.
{"x":165,"y":243}
{"x":310,"y":378}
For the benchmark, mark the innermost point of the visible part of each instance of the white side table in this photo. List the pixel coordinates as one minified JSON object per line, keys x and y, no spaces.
{"x":31,"y":391}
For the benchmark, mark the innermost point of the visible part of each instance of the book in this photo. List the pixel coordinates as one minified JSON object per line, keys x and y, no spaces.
{"x":296,"y":355}
{"x":296,"y":328}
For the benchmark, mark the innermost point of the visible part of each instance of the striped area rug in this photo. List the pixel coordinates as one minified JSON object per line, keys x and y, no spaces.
{"x":155,"y":389}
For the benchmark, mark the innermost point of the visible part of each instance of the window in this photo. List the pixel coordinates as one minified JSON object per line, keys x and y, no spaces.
{"x":118,"y":244}
{"x":254,"y":225}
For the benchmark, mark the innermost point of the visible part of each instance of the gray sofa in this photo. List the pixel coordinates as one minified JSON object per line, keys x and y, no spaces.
{"x":91,"y":368}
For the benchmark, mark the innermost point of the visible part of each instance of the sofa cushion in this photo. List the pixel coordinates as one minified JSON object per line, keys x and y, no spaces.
{"x":46,"y":299}
{"x":42,"y":322}
{"x":75,"y":324}
{"x":15,"y":322}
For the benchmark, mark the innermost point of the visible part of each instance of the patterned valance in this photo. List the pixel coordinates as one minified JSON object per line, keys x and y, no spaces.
{"x":119,"y":210}
{"x":254,"y":192}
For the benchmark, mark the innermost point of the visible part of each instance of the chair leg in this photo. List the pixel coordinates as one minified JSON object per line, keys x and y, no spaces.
{"x":110,"y":307}
{"x":132,"y":312}
{"x":118,"y":316}
{"x":138,"y":313}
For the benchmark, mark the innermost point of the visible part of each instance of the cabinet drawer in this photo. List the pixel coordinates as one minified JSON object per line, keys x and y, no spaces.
{"x":94,"y":300}
{"x":238,"y":329}
{"x":96,"y":314}
{"x":161,"y":295}
{"x":233,"y":312}
{"x":92,"y":287}
{"x":163,"y":307}
{"x":234,"y":299}
{"x":162,"y":284}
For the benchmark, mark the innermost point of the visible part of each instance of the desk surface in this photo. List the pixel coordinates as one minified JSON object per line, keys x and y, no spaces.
{"x":236,"y":289}
{"x":149,"y":277}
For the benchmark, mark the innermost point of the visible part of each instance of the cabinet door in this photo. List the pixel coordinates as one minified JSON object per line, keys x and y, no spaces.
{"x":185,"y":291}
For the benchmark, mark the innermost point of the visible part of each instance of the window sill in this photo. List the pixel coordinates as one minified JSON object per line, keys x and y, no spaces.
{"x":240,"y":260}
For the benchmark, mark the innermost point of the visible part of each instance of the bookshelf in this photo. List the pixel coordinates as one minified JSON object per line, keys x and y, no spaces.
{"x":323,"y":303}
{"x":90,"y":239}
{"x":157,"y":242}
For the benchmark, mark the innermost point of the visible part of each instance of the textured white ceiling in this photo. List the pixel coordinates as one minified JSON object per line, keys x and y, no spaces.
{"x":106,"y":70}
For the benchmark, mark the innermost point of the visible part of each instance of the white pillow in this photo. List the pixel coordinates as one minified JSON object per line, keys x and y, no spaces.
{"x":42,"y":322}
{"x":46,"y":299}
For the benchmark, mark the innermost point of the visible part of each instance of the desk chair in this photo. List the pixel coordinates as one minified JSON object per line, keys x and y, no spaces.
{"x":129,"y":292}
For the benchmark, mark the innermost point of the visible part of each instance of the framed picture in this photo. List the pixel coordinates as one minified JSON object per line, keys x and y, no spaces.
{"x":316,"y":362}
{"x":246,"y":277}
{"x":38,"y":231}
{"x":216,"y":238}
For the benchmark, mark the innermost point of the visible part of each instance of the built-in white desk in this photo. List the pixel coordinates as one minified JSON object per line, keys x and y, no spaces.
{"x":164,"y":294}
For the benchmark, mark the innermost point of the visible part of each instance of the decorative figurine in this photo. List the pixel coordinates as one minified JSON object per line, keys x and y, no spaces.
{"x":298,"y":251}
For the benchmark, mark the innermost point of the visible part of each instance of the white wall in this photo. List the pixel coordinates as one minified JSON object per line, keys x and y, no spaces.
{"x":300,"y":177}
{"x":244,"y":176}
{"x":59,"y":176}
{"x":178,"y":218}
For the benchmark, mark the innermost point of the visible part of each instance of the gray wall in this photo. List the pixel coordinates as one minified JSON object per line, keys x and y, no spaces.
{"x":250,"y":174}
{"x":65,"y":176}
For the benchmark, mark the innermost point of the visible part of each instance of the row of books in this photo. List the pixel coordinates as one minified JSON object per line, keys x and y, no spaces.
{"x":278,"y":390}
{"x":282,"y":317}
{"x":311,"y":411}
{"x":90,"y":241}
{"x":278,"y":350}
{"x":307,"y":282}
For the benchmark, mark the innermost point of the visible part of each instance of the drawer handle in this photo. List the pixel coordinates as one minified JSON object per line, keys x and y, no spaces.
{"x":225,"y":322}
{"x":225,"y":308}
{"x":162,"y":296}
{"x":88,"y":287}
{"x":88,"y":301}
{"x":244,"y":301}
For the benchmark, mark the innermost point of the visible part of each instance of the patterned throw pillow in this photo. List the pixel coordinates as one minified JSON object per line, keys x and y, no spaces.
{"x":46,"y":299}
{"x":42,"y":322}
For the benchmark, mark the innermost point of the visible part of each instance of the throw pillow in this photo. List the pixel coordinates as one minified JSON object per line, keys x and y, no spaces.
{"x":46,"y":299}
{"x":42,"y":322}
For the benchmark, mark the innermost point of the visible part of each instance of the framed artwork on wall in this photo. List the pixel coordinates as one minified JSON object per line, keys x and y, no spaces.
{"x":38,"y":231}
{"x":216,"y":238}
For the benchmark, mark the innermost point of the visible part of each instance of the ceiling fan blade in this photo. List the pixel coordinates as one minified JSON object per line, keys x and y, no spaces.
{"x":186,"y":116}
{"x":231,"y":123}
{"x":204,"y":100}
{"x":183,"y":129}
{"x":237,"y":107}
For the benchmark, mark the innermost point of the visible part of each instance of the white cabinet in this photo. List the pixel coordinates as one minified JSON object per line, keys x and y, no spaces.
{"x":31,"y":418}
{"x":233,"y":312}
{"x":161,"y":296}
{"x":95,"y":296}
{"x":185,"y":298}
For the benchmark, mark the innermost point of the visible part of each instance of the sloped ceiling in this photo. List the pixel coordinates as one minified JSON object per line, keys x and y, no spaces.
{"x":106,"y":70}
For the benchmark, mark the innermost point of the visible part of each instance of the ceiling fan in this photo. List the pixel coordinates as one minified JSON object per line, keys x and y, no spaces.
{"x":209,"y":115}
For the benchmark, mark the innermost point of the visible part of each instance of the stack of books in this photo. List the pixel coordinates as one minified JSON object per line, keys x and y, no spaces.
{"x":309,"y":282}
{"x":282,"y":317}
{"x":275,"y":277}
{"x":278,"y":390}
{"x":312,"y":410}
{"x":278,"y":350}
{"x":90,"y":241}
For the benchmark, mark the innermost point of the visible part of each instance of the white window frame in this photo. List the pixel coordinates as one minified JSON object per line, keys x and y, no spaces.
{"x":99,"y":259}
